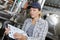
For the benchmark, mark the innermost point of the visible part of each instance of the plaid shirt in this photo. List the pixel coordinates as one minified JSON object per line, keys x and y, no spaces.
{"x":40,"y":30}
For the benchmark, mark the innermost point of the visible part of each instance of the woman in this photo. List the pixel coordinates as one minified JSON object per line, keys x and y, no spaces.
{"x":35,"y":27}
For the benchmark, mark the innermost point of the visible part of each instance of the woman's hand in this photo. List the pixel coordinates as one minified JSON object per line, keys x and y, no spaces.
{"x":20,"y":36}
{"x":7,"y":31}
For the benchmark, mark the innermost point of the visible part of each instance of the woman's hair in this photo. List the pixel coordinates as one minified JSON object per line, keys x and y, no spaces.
{"x":39,"y":9}
{"x":40,"y":14}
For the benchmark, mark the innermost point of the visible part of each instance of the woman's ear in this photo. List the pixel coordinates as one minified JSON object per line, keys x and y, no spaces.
{"x":39,"y":12}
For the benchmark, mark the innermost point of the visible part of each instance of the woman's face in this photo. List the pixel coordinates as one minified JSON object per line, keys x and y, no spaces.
{"x":34,"y":12}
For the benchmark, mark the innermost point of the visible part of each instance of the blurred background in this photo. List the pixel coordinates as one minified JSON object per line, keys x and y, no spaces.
{"x":13,"y":12}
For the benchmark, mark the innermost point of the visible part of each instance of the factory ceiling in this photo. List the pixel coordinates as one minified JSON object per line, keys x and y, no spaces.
{"x":53,"y":3}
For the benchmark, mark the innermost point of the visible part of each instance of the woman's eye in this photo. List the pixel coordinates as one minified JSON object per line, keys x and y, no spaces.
{"x":34,"y":10}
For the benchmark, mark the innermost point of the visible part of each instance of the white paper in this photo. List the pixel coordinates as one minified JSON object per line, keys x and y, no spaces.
{"x":14,"y":30}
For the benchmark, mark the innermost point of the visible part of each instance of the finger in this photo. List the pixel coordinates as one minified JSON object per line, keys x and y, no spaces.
{"x":17,"y":35}
{"x":7,"y":29}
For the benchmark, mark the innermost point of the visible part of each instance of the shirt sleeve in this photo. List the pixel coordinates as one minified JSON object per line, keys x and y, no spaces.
{"x":25,"y":23}
{"x":42,"y":32}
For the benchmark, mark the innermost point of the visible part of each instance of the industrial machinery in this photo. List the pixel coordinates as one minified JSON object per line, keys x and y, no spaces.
{"x":14,"y":7}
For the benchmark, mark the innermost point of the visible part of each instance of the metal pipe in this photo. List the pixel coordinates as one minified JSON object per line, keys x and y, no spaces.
{"x":13,"y":5}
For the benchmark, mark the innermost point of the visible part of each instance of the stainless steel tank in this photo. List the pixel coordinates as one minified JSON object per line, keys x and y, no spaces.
{"x":54,"y":23}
